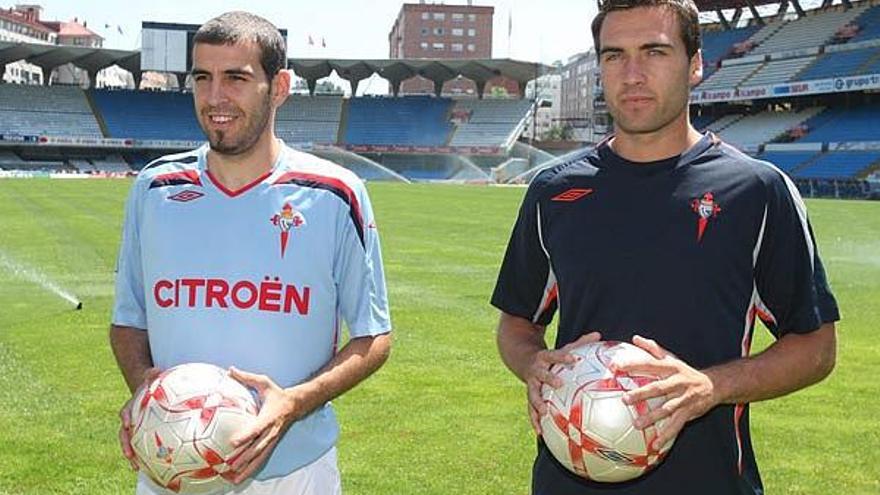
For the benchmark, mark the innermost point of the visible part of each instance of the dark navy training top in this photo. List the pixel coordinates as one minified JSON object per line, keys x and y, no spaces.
{"x":687,"y":251}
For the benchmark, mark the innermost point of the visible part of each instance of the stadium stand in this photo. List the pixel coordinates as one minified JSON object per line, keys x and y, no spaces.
{"x":869,"y":25}
{"x":719,"y":43}
{"x":840,"y":165}
{"x":838,"y":64}
{"x":702,"y":121}
{"x":729,"y":76}
{"x":304,"y":119}
{"x":765,"y":126}
{"x":410,"y":120}
{"x":147,"y":114}
{"x":54,"y":110}
{"x":788,"y":161}
{"x":816,"y":28}
{"x":844,"y":125}
{"x":489,"y":122}
{"x":722,"y":123}
{"x":82,"y":165}
{"x":10,"y":161}
{"x":111,"y":163}
{"x":873,"y":68}
{"x":777,"y":71}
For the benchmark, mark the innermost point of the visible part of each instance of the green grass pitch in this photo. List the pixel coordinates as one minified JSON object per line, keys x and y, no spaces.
{"x":443,"y":416}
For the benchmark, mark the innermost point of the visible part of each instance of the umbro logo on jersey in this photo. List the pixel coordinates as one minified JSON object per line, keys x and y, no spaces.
{"x":186,"y":196}
{"x":573,"y":194}
{"x":287,"y":219}
{"x":706,"y":208}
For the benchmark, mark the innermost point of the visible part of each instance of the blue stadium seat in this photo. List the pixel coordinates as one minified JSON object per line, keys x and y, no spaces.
{"x":843,"y":125}
{"x":869,"y":25}
{"x":787,"y":161}
{"x":838,"y":64}
{"x":702,"y":121}
{"x":840,"y":165}
{"x":410,"y":120}
{"x":717,"y":44}
{"x":148,"y":115}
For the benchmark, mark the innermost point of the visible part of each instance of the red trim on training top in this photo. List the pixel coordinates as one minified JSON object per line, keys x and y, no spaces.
{"x":238,"y":192}
{"x":335,"y":186}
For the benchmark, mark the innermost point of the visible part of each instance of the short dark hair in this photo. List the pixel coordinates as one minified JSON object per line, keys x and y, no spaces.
{"x":233,"y":27}
{"x":685,"y":10}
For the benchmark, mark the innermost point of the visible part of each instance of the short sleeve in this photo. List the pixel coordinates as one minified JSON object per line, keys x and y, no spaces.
{"x":793,"y":291}
{"x":129,"y":307}
{"x":358,"y":271}
{"x":526,"y":285}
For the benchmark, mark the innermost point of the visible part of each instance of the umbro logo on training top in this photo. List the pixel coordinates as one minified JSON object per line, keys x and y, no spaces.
{"x":186,"y":196}
{"x":572,"y":194}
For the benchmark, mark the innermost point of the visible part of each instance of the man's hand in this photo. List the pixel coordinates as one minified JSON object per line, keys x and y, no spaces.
{"x":125,"y":418}
{"x":690,"y":393}
{"x":539,"y":373}
{"x":277,"y":411}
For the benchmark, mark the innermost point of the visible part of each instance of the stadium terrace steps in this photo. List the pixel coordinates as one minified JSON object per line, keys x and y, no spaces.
{"x":488,"y":122}
{"x":724,"y":122}
{"x":718,"y":43}
{"x":838,"y":64}
{"x":148,"y":114}
{"x":844,"y":125}
{"x":789,"y":161}
{"x":764,"y":127}
{"x":765,"y":32}
{"x":409,"y":120}
{"x":729,"y":76}
{"x":869,"y":25}
{"x":309,"y":119}
{"x":41,"y":110}
{"x":816,"y":28}
{"x":777,"y":71}
{"x":840,"y":165}
{"x":111,"y":163}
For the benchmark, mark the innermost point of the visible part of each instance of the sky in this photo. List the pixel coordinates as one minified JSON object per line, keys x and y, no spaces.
{"x":543,"y":31}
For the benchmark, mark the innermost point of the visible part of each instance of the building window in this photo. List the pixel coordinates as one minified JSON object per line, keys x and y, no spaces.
{"x":439,"y":31}
{"x":457,"y":47}
{"x":472,"y":17}
{"x":471,"y":47}
{"x":439,"y":46}
{"x":425,"y":16}
{"x":458,"y":17}
{"x":457,"y":32}
{"x":424,"y":45}
{"x":439,"y":16}
{"x":425,"y":31}
{"x":472,"y":32}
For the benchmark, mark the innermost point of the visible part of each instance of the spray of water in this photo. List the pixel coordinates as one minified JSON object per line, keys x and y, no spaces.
{"x":30,"y":274}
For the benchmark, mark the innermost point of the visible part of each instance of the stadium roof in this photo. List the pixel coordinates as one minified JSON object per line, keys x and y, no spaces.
{"x":394,"y":70}
{"x":437,"y":70}
{"x":713,"y":5}
{"x":50,"y":56}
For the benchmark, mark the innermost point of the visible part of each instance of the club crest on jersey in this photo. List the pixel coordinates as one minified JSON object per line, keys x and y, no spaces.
{"x":706,"y":208}
{"x":288,"y":218}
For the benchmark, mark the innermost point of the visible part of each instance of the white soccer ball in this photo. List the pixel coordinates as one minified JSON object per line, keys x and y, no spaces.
{"x":182,"y":424}
{"x":588,"y":428}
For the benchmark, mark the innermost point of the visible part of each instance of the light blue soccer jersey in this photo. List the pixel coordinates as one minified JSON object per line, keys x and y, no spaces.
{"x":258,"y":278}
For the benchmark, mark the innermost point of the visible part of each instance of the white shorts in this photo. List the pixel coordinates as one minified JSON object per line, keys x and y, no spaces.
{"x":318,"y":478}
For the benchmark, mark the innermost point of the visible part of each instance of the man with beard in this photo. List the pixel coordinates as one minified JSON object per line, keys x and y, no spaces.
{"x":248,"y":254}
{"x":676,"y":241}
